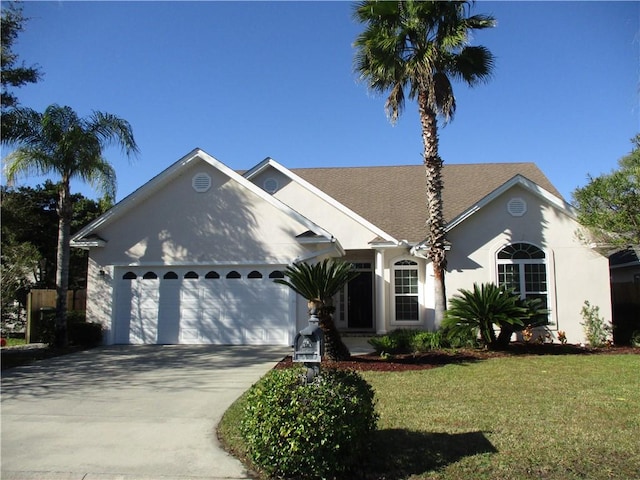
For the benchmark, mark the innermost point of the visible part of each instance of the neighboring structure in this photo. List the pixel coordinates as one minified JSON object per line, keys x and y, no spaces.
{"x":625,"y":294}
{"x":190,"y":256}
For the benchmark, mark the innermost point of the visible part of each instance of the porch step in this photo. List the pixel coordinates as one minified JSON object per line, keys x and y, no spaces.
{"x":357,"y":343}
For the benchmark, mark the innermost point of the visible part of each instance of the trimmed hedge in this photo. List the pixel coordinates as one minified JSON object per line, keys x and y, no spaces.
{"x":308,"y":431}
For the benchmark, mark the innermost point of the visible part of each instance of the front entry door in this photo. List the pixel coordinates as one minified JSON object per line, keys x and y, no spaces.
{"x":360,"y":302}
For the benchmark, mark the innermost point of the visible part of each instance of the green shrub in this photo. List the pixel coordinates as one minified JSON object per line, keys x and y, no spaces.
{"x":480,"y":311}
{"x":426,"y":341}
{"x":398,"y":341}
{"x":464,"y":338}
{"x":79,"y":331}
{"x":595,"y":328}
{"x":307,"y":431}
{"x":84,"y":334}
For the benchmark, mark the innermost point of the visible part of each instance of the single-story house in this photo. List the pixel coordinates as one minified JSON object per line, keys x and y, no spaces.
{"x":190,"y":256}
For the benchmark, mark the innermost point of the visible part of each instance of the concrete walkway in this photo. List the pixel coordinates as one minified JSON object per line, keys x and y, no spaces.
{"x":126,"y":412}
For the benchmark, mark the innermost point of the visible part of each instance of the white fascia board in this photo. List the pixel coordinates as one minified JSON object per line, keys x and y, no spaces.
{"x":270,"y":162}
{"x":87,"y":244}
{"x":165,"y":176}
{"x":334,"y":250}
{"x":524,"y":182}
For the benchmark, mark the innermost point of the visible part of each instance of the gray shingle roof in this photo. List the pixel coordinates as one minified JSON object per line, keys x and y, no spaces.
{"x":394,"y":198}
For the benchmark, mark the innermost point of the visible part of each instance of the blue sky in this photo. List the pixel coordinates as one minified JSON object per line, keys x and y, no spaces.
{"x":248,"y":80}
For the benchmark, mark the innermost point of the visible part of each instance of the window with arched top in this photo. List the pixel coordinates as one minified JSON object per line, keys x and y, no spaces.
{"x":191,"y":274}
{"x":405,"y":291}
{"x":212,"y":274}
{"x":233,"y":274}
{"x":129,"y":276}
{"x":276,"y":274}
{"x":254,"y":274}
{"x":523,"y":267}
{"x":150,"y":276}
{"x":170,"y":276}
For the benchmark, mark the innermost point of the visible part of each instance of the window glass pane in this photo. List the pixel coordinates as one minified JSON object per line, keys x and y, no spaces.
{"x":407,"y":308}
{"x":406,"y":262}
{"x":541,"y":296}
{"x":520,"y":251}
{"x":406,"y":282}
{"x":535,"y":278}
{"x":509,"y":276}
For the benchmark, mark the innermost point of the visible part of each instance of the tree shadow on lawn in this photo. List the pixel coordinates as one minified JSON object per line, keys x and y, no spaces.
{"x":398,"y":454}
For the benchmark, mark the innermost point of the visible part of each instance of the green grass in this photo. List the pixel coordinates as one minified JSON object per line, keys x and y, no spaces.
{"x":536,"y":417}
{"x":13,"y":342}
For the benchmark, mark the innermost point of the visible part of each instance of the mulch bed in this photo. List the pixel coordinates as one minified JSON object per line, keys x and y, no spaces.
{"x":438,"y":358}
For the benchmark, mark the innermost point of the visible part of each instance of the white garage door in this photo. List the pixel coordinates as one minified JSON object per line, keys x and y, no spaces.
{"x":231,"y":306}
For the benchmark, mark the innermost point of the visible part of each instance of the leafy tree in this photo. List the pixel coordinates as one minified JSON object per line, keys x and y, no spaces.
{"x":29,"y":216}
{"x":61,"y":143}
{"x":415,"y":49}
{"x":609,"y":205}
{"x":18,"y":269}
{"x":14,"y":74}
{"x":489,"y":306}
{"x":318,"y":283}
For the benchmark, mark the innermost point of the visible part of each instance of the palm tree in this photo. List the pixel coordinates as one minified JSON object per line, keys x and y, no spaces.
{"x":58,"y":142}
{"x":318,"y":283}
{"x":487,"y":306}
{"x":418,"y":48}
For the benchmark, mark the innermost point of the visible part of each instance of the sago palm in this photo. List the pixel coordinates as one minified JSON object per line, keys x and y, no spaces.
{"x":416,"y":49}
{"x":59,"y":143}
{"x":483,"y":309}
{"x":318,"y":283}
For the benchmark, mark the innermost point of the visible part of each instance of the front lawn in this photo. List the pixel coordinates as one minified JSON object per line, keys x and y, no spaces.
{"x":530,"y":417}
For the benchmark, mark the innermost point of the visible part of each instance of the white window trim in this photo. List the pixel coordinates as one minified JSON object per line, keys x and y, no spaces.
{"x":548,"y":261}
{"x":419,"y":267}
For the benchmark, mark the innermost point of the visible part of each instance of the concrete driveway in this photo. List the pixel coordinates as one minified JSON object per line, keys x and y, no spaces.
{"x":126,"y":412}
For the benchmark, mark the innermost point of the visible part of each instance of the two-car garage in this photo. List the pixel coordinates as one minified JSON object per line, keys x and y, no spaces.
{"x":201,"y":305}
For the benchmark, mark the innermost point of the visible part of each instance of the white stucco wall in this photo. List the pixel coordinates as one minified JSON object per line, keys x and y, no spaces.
{"x":227,"y":225}
{"x":352,"y":234}
{"x":575,"y":273}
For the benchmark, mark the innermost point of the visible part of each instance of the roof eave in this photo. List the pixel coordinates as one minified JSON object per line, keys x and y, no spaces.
{"x":270,"y":162}
{"x":524,"y":182}
{"x":165,"y":176}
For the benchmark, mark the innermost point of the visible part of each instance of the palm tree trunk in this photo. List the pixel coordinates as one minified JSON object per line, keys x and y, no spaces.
{"x":334,"y":348}
{"x":63,"y":253}
{"x":435,"y":218}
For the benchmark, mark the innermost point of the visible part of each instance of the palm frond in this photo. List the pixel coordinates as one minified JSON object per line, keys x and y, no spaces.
{"x":319,"y":281}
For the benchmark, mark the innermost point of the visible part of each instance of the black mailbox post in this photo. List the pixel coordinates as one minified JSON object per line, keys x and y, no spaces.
{"x":308,"y":347}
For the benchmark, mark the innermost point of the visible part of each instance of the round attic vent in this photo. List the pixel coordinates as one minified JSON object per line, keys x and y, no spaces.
{"x":517,"y":207}
{"x":201,"y":182}
{"x":271,"y":185}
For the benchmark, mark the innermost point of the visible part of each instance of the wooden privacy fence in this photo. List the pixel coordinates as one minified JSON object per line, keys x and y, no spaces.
{"x":40,"y":301}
